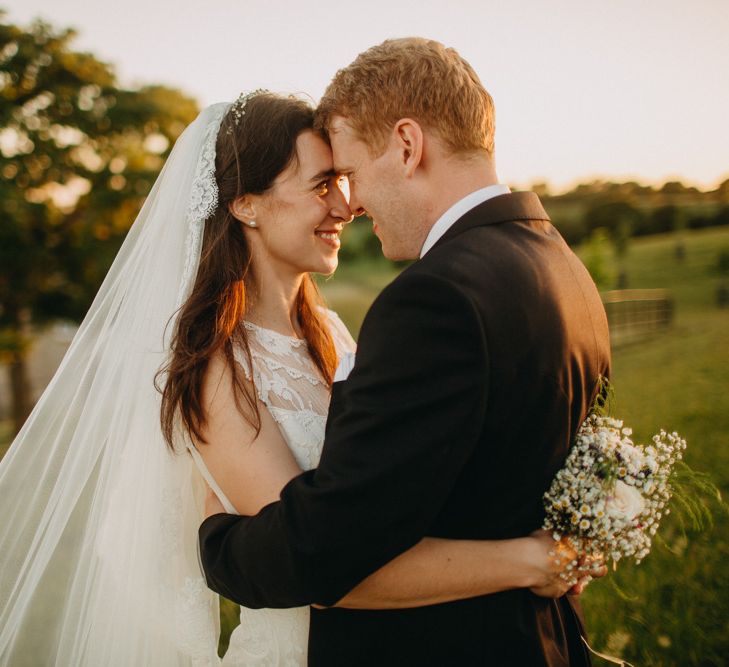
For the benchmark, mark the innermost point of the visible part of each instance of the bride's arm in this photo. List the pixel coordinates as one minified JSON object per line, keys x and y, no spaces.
{"x":440,"y":570}
{"x":252,"y":469}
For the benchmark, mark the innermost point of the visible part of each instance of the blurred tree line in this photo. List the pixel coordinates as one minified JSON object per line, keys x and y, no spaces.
{"x":78,"y":154}
{"x":614,"y":212}
{"x":629,"y":209}
{"x":601,"y":217}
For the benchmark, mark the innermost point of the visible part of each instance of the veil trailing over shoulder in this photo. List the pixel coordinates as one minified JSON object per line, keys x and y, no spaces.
{"x":98,"y":535}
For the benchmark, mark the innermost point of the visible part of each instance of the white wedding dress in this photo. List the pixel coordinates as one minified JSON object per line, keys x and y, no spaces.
{"x":290,"y":386}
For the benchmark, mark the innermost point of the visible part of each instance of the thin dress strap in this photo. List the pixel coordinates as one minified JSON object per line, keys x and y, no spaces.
{"x":211,"y":480}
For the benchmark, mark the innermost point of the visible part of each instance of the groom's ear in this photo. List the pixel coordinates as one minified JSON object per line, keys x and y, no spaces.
{"x":408,"y":136}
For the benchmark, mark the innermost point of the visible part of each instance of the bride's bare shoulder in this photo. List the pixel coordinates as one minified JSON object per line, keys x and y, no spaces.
{"x":247,"y":456}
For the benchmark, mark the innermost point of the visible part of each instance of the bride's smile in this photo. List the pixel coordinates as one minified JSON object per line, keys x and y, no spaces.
{"x":330,"y":236}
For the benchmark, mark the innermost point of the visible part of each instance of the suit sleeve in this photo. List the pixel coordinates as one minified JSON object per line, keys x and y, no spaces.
{"x":404,"y":424}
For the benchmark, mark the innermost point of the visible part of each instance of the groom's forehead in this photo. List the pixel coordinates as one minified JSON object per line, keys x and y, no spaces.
{"x":347,"y":147}
{"x":341,"y":163}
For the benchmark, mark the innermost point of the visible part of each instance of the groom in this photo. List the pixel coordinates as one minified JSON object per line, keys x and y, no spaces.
{"x":475,"y":368}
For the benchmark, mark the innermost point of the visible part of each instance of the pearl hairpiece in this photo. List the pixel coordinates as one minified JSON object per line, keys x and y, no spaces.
{"x":238,"y":108}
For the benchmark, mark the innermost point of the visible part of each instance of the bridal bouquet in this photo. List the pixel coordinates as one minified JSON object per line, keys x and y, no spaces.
{"x":609,"y":497}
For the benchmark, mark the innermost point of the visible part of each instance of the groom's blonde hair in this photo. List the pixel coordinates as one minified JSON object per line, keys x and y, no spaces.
{"x":413,"y":78}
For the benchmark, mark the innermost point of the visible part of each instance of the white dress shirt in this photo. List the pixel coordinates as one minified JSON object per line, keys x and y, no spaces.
{"x":458,"y":210}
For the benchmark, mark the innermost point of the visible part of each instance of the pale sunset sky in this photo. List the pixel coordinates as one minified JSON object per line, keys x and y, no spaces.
{"x":583,"y":89}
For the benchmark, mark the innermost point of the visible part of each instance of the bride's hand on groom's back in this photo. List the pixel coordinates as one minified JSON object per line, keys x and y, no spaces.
{"x":551,"y":559}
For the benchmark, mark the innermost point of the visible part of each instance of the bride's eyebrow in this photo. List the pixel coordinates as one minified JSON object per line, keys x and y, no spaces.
{"x":323,"y":175}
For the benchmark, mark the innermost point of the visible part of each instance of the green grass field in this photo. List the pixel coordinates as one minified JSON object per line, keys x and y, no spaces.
{"x":673,"y":609}
{"x":676,"y":609}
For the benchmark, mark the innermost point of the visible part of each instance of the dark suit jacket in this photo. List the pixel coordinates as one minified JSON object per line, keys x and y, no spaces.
{"x":474,"y":369}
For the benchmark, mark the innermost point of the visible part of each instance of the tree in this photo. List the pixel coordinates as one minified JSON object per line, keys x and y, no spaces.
{"x":610,"y":214}
{"x":79,"y":154}
{"x":595,"y":253}
{"x":621,"y":221}
{"x":675,"y":188}
{"x":665,"y":219}
{"x":723,"y":191}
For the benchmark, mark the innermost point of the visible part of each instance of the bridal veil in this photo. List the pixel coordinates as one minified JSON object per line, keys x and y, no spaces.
{"x":98,"y":536}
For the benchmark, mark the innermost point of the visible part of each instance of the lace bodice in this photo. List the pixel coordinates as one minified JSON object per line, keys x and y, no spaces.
{"x":289,"y":384}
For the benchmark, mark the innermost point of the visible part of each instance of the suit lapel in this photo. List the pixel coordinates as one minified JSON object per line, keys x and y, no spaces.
{"x":504,"y":208}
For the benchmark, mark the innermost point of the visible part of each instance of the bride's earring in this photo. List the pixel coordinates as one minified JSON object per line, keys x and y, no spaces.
{"x":252,"y":223}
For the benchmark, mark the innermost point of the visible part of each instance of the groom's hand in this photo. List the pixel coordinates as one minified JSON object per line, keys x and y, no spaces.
{"x":552,"y":558}
{"x":588,"y":569}
{"x":212,"y":503}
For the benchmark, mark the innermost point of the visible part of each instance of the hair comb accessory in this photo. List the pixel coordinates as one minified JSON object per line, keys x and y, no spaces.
{"x":238,"y":108}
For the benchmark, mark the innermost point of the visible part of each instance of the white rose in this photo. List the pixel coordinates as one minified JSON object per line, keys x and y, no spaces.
{"x":626,"y":501}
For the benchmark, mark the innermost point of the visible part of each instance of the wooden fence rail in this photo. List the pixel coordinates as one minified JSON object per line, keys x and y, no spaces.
{"x":635,"y":313}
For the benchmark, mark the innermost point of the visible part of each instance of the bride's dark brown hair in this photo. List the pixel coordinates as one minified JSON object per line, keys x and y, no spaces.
{"x":251,"y":151}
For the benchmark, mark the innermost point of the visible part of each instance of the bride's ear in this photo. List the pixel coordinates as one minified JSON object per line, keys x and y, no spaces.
{"x":243,"y":209}
{"x":409,"y":140}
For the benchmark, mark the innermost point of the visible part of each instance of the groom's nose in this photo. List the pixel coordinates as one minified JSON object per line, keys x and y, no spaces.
{"x":354,"y":205}
{"x":339,"y":208}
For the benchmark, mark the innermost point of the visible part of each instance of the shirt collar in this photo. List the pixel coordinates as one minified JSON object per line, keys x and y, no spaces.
{"x":458,"y":210}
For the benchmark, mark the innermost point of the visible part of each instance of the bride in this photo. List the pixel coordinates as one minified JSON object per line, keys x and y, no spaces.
{"x":209,"y":298}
